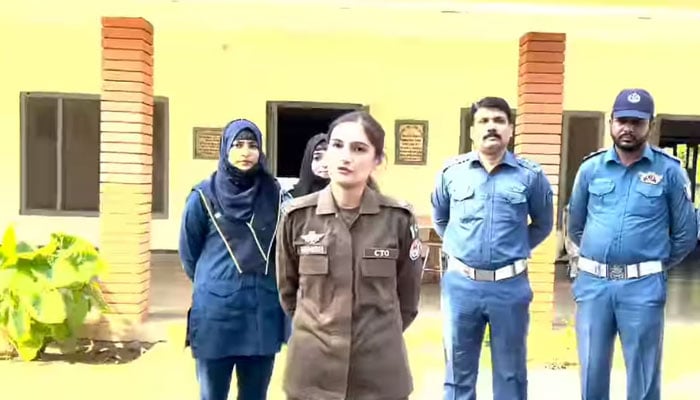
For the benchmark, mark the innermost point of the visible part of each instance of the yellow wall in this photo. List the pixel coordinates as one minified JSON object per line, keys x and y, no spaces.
{"x":402,"y":64}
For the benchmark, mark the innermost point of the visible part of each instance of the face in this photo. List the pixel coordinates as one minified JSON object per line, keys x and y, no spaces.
{"x":351,"y":158}
{"x":244,"y":154}
{"x":492,"y":131}
{"x":629,"y":134}
{"x":318,"y":165}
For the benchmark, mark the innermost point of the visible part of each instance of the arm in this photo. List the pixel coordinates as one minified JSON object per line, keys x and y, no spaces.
{"x":408,"y":274}
{"x":578,"y":207}
{"x":440,"y":200}
{"x":541,"y":210}
{"x":193,"y":233}
{"x":287,"y":266}
{"x":683,"y":227}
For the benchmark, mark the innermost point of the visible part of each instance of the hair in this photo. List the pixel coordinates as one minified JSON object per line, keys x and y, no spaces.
{"x":497,"y":103}
{"x":374,"y":131}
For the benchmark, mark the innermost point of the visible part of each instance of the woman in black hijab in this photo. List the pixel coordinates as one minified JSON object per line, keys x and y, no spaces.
{"x":313,"y":174}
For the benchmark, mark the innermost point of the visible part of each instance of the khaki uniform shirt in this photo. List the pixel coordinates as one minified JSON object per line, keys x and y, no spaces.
{"x":352,"y":288}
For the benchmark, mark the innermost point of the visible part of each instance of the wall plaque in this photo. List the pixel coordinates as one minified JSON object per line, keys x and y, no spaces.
{"x":411,"y":142}
{"x":207,"y":142}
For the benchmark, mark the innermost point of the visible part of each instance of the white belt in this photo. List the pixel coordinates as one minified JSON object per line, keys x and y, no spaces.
{"x":619,"y":271}
{"x":476,"y":274}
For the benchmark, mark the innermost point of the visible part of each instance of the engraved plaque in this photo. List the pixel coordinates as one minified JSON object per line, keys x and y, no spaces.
{"x":207,"y":142}
{"x":411,"y":142}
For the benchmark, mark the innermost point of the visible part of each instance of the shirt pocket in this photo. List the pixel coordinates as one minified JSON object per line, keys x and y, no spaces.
{"x":466,"y":203}
{"x":228,"y":300}
{"x":601,"y":191}
{"x":378,"y":283}
{"x":649,"y":199}
{"x":313,"y":279}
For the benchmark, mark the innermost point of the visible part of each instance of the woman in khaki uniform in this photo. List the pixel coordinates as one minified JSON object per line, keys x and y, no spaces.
{"x":348,"y":272}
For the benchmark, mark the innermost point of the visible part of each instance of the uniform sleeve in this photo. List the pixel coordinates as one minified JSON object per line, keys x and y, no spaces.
{"x":684,"y":228}
{"x":578,"y":206}
{"x":287,"y":263}
{"x":541,"y":210}
{"x":409,"y":272}
{"x":440,"y":200}
{"x":193,"y":233}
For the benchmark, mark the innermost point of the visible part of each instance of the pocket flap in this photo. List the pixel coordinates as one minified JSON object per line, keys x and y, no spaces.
{"x":601,"y":186}
{"x":313,"y":265}
{"x":222,"y":288}
{"x":648,"y":190}
{"x":378,"y":267}
{"x":463,"y":193}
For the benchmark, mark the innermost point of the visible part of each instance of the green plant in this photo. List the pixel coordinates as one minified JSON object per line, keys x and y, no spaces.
{"x":46,"y":292}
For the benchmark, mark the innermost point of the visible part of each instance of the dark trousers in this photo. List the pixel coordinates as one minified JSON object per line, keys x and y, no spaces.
{"x":253,"y":375}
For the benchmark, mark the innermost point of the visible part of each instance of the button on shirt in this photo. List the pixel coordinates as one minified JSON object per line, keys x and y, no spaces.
{"x":483,"y":217}
{"x":627,"y":215}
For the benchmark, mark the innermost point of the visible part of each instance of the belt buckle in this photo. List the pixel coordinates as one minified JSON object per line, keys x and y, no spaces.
{"x":484,"y":275}
{"x":617,"y":272}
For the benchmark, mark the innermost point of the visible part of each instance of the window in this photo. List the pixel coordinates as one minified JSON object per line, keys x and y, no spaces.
{"x":61,"y":154}
{"x":465,"y":140}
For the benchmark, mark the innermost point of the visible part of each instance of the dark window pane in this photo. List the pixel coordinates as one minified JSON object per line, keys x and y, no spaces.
{"x":81,"y":155}
{"x":160,"y":126}
{"x":40,"y":152}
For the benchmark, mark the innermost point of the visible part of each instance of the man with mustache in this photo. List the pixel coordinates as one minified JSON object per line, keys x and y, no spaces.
{"x":632,"y":217}
{"x":481,"y":203}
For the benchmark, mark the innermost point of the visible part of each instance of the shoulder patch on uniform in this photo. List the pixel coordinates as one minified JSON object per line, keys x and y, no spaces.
{"x":595,"y":153}
{"x":455,"y":161}
{"x":663,"y":152}
{"x":298,"y":203}
{"x":529,"y":164}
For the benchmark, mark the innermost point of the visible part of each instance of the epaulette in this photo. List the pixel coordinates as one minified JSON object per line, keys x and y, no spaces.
{"x":595,"y":153}
{"x":395,"y":203}
{"x":529,"y":164}
{"x":662,"y":151}
{"x":298,"y":203}
{"x":455,"y":161}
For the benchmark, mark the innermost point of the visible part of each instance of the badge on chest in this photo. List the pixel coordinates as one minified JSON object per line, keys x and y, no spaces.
{"x":378,"y":252}
{"x":310,"y":244}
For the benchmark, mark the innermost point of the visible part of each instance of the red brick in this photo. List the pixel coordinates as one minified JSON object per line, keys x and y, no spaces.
{"x":529,"y":138}
{"x":542,"y":37}
{"x":541,"y":57}
{"x":145,"y":159}
{"x":540,"y":98}
{"x":134,"y":97}
{"x":540,"y":149}
{"x":541,"y":88}
{"x":115,"y":168}
{"x":553,"y":179}
{"x":125,"y":287}
{"x":544,"y":159}
{"x":129,"y":66}
{"x":128,"y":117}
{"x":540,"y":78}
{"x":532,"y":118}
{"x":127,"y":298}
{"x":552,"y":108}
{"x":127,"y":44}
{"x":126,"y":178}
{"x":127,"y":76}
{"x":120,"y":187}
{"x":127,"y":22}
{"x":121,"y":228}
{"x":550,"y":169}
{"x":120,"y":137}
{"x":122,"y":106}
{"x":539,"y":128}
{"x":127,"y":127}
{"x":127,"y":55}
{"x":136,"y":87}
{"x":127,"y":33}
{"x":129,"y":277}
{"x":541,"y":68}
{"x":555,"y":47}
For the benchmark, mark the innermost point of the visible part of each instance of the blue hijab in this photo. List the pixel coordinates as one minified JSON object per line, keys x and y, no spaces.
{"x":232,"y":190}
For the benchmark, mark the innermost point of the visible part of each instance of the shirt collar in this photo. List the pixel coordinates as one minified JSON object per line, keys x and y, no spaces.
{"x":611,"y":154}
{"x":326,"y":204}
{"x":508,"y":159}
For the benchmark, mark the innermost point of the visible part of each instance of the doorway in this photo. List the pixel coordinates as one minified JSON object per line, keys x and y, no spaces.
{"x":290,"y":125}
{"x":680,"y":136}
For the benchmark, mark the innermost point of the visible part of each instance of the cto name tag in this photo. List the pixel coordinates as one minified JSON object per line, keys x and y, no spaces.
{"x":312,"y":249}
{"x":381,"y":253}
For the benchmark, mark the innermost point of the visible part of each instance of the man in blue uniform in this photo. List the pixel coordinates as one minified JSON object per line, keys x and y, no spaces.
{"x":631,"y":215}
{"x":481,"y":205}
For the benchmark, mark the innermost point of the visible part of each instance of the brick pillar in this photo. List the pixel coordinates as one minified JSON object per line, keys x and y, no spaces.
{"x":126,"y":165}
{"x":538,"y":138}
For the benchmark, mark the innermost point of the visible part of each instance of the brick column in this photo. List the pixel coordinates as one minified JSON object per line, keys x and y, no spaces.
{"x":538,"y":138}
{"x":126,"y":165}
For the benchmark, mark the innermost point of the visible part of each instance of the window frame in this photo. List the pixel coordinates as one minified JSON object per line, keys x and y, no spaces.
{"x":60,"y":96}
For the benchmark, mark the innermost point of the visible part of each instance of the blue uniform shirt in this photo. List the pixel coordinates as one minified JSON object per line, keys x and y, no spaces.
{"x":627,"y":215}
{"x":483,"y":218}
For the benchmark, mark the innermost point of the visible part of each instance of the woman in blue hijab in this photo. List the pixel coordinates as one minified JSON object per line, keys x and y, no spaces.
{"x":227,"y":249}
